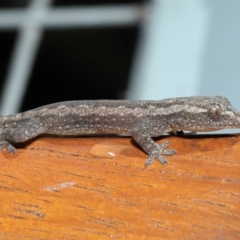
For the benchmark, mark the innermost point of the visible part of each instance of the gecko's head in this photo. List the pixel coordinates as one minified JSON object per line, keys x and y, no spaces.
{"x":210,"y":114}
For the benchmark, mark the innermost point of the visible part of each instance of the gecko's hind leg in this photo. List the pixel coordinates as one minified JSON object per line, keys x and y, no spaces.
{"x":21,"y":133}
{"x":8,"y":146}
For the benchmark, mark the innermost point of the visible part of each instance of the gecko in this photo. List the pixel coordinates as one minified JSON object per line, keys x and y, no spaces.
{"x":142,"y":119}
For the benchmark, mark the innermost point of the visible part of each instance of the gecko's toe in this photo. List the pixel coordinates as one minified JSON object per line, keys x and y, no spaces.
{"x":169,"y":152}
{"x":10,"y":148}
{"x":162,"y":160}
{"x":149,"y":161}
{"x":165,"y":151}
{"x":164,"y":145}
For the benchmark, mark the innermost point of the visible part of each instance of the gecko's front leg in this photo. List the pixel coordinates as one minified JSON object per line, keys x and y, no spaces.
{"x":143,"y":132}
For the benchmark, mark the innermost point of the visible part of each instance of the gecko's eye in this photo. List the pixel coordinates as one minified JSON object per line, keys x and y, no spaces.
{"x":214,"y":111}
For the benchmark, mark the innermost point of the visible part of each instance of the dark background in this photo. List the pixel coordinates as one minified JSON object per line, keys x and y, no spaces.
{"x":75,"y":64}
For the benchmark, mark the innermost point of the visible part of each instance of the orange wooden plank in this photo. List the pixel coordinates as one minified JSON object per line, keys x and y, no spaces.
{"x":99,"y":188}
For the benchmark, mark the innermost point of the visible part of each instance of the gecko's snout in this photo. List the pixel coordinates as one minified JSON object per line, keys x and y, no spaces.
{"x":233,"y":119}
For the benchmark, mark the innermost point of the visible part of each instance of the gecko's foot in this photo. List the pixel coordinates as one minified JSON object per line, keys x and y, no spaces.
{"x":158,"y":152}
{"x":8,"y":146}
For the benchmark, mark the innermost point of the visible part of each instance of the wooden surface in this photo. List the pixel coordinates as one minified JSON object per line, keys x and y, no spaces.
{"x":98,"y":188}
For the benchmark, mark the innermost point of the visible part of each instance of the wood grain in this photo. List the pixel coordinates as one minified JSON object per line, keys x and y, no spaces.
{"x":99,"y":188}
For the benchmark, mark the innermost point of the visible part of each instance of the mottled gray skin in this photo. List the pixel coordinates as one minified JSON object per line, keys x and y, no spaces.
{"x":140,"y":119}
